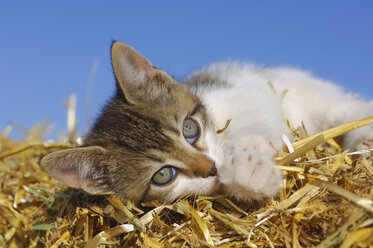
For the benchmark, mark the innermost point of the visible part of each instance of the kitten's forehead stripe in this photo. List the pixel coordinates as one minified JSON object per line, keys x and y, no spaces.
{"x":155,"y":158}
{"x":196,"y":109}
{"x":132,"y":131}
{"x":174,"y":130}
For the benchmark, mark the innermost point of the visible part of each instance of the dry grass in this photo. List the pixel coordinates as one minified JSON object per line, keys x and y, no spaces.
{"x":326,"y":201}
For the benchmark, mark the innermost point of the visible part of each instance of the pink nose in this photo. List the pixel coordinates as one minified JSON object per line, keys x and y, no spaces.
{"x":213,"y":171}
{"x":203,"y":166}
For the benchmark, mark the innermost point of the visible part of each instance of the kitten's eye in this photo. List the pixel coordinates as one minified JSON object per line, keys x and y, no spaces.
{"x":190,"y":130}
{"x":164,"y":175}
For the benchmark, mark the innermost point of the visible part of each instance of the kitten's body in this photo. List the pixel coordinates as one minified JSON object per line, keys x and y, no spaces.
{"x":157,"y":139}
{"x":242,"y":92}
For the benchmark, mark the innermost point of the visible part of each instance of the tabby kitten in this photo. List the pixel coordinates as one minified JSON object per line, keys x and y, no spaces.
{"x":157,"y":139}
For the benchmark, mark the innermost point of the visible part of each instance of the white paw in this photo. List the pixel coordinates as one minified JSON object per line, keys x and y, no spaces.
{"x":367,"y":144}
{"x":359,"y":139}
{"x":249,"y":165}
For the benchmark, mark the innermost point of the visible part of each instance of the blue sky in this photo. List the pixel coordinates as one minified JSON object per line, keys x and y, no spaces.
{"x":47,"y":47}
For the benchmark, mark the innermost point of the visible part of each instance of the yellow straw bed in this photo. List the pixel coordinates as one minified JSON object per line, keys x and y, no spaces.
{"x":326,"y":201}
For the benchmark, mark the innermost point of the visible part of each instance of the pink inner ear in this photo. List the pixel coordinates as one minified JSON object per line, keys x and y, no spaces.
{"x":73,"y":180}
{"x":139,"y":63}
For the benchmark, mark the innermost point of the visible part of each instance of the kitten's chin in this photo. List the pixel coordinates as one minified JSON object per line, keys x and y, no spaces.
{"x":187,"y":187}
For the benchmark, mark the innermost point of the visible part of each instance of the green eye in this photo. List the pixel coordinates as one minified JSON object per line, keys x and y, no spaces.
{"x":164,"y":175}
{"x":190,"y":130}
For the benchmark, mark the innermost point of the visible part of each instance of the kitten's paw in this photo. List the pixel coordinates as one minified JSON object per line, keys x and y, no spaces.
{"x":359,"y":139}
{"x":364,"y":144}
{"x":249,"y":165}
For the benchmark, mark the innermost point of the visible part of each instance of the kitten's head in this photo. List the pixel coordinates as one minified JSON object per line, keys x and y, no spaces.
{"x":149,"y":143}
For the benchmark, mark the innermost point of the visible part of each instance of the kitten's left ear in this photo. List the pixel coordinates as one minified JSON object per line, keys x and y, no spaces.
{"x":79,"y":168}
{"x":137,"y":77}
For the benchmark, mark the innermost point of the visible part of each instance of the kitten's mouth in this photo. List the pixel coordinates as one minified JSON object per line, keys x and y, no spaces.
{"x":217,"y":178}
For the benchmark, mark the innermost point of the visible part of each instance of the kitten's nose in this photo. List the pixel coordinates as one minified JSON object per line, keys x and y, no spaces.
{"x":203,"y":166}
{"x":213,"y":171}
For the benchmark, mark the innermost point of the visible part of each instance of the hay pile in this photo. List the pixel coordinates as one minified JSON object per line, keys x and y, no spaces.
{"x":326,"y":201}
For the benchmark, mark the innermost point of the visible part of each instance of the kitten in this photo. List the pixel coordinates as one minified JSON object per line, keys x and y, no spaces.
{"x":157,"y":139}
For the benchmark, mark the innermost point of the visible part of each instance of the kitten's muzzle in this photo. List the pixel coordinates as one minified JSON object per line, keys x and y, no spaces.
{"x":204,"y":167}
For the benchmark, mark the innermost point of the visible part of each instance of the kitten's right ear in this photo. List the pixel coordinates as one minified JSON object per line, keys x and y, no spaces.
{"x":78,"y":168}
{"x":138,"y":79}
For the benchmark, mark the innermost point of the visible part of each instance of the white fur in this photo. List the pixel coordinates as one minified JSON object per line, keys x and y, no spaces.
{"x":243,"y":153}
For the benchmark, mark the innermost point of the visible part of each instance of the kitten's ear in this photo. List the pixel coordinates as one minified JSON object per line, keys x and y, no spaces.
{"x":138,"y":79}
{"x":78,"y":168}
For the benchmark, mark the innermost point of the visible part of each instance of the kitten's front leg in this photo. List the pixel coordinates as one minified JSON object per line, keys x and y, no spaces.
{"x":248,"y":172}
